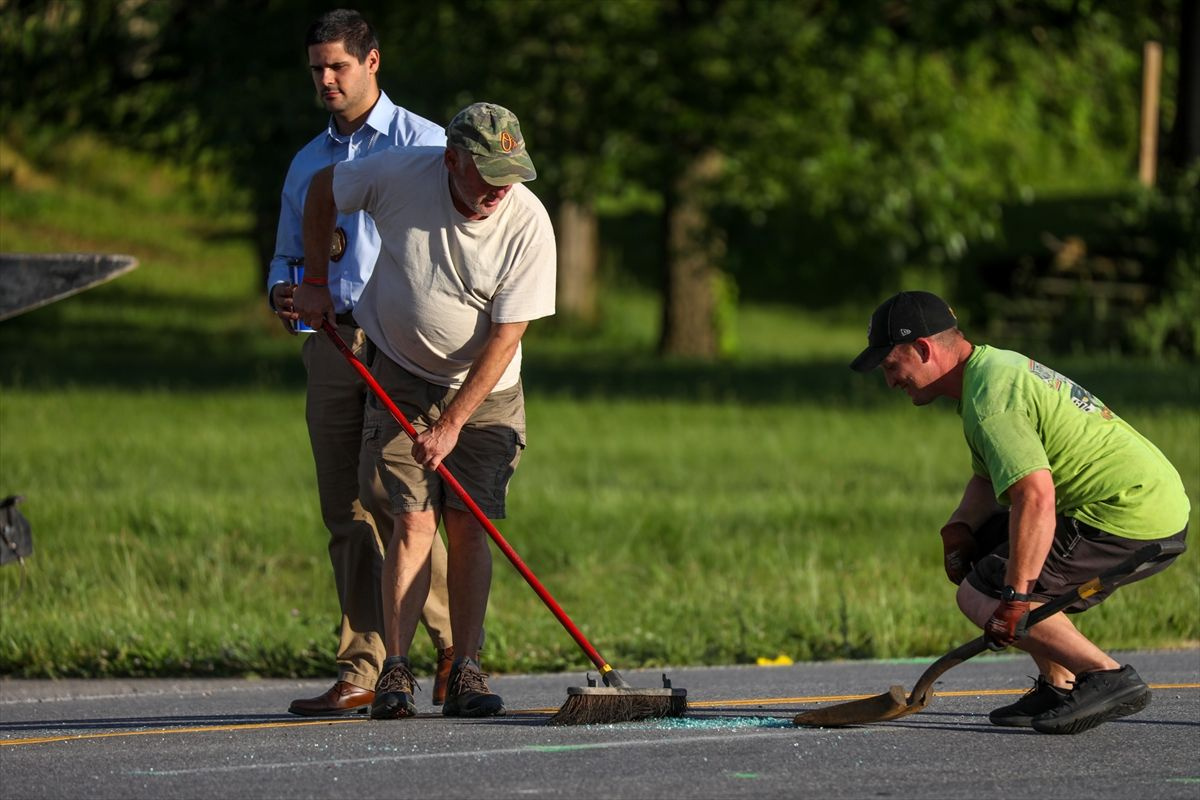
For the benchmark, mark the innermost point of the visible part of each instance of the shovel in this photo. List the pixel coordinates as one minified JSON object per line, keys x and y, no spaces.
{"x":894,"y":704}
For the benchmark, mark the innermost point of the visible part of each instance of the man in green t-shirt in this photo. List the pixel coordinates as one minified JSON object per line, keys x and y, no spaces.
{"x":1062,"y":489}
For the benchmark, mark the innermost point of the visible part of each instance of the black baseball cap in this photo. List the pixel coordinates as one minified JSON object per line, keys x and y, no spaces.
{"x":904,"y":317}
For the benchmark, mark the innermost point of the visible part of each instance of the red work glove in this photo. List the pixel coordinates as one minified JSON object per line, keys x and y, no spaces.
{"x":959,"y":547}
{"x":1001,"y":630}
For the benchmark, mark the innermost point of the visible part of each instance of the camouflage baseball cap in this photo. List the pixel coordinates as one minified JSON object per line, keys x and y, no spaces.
{"x":492,"y":135}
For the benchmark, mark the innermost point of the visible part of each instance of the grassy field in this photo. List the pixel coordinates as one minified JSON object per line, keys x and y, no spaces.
{"x":772,"y":504}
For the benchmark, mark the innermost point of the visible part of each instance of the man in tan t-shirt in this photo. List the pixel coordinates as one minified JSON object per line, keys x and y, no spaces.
{"x":467,"y":260}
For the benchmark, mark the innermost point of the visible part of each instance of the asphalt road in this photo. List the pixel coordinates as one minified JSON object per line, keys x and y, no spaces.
{"x":233,"y":738}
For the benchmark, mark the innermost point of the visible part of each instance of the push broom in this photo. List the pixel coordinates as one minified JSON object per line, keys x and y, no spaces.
{"x":616,"y":701}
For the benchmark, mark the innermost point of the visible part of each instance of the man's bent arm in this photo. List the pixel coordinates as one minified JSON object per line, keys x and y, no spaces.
{"x":436,"y":443}
{"x":977,"y":504}
{"x":313,"y":300}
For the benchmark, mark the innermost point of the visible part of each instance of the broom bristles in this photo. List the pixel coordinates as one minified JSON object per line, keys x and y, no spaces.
{"x":624,"y":706}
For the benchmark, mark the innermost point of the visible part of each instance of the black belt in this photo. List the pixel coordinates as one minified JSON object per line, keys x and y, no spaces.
{"x":347,"y":319}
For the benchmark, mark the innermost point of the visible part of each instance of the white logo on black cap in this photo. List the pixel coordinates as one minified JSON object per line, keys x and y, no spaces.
{"x":905,"y":331}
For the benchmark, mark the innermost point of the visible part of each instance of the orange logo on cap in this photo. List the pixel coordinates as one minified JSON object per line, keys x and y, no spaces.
{"x":507,"y":142}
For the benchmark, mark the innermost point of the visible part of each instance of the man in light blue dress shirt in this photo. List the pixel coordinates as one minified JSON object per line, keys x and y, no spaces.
{"x":344,"y":57}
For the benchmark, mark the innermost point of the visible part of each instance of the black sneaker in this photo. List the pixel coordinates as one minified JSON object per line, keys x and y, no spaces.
{"x":394,"y":691}
{"x":468,"y":694}
{"x":1038,"y":700}
{"x":1097,"y":697}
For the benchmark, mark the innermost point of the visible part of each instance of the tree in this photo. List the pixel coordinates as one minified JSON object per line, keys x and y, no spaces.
{"x":783,"y":145}
{"x":1185,"y":133}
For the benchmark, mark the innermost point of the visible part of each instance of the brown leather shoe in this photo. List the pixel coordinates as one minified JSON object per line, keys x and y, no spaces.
{"x":445,"y":660}
{"x":342,"y":698}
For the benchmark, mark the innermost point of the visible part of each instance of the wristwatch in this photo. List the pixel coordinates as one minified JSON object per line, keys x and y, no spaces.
{"x":1009,"y":593}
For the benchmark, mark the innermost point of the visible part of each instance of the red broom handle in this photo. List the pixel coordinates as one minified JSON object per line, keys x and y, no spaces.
{"x":504,"y":546}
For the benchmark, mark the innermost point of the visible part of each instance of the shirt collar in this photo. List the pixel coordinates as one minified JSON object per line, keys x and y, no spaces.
{"x":380,"y":119}
{"x":382,"y":114}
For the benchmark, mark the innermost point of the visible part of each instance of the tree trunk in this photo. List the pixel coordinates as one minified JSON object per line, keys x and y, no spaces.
{"x":578,"y":254}
{"x":692,"y":251}
{"x":1185,"y":133}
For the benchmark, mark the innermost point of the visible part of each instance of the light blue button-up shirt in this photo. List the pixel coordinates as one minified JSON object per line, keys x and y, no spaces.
{"x":387,"y":126}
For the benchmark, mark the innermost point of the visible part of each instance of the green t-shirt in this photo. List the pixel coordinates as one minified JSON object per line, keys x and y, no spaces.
{"x":1020,"y":417}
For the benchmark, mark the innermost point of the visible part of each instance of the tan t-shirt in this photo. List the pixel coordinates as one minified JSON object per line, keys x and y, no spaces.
{"x":442,"y":280}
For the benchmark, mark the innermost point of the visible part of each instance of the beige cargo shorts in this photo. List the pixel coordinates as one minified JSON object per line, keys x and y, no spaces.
{"x":483,"y":462}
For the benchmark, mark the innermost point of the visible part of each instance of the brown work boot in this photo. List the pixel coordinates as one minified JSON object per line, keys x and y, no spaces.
{"x":394,"y":691}
{"x":445,"y":660}
{"x":341,"y":698}
{"x":468,"y":694}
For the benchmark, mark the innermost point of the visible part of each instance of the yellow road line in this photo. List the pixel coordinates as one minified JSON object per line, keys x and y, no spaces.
{"x":252,"y":726}
{"x":840,"y":698}
{"x":249,"y":726}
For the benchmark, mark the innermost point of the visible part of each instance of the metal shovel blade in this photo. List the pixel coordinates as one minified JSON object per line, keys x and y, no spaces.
{"x":889,"y":705}
{"x":894,"y":703}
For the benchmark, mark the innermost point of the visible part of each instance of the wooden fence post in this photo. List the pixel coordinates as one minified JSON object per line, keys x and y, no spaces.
{"x":1151,"y":75}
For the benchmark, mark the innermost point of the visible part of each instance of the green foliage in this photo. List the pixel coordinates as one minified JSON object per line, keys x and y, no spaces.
{"x":853,"y":134}
{"x":1167,"y":223}
{"x":1172,"y":327}
{"x":1109,"y":273}
{"x":912,"y":151}
{"x":32,"y":159}
{"x":725,"y":307}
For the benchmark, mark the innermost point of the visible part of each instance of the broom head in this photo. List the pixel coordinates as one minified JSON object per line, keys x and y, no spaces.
{"x":605,"y":705}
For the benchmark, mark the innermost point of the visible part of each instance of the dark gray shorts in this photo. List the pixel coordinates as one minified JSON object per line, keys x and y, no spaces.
{"x":483,"y":461}
{"x":1078,"y":554}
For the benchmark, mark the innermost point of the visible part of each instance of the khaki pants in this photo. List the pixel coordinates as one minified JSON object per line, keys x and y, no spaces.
{"x":359,"y":523}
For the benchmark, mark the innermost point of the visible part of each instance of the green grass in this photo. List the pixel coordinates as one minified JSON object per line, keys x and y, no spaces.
{"x":681,"y":513}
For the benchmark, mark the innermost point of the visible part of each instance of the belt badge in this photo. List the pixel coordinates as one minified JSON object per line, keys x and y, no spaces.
{"x":337,"y":246}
